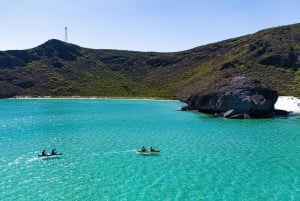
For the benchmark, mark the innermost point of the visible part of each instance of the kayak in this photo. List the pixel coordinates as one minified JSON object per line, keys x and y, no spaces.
{"x":50,"y":155}
{"x":149,"y":152}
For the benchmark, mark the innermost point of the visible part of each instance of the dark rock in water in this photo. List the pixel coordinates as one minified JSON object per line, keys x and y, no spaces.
{"x":239,"y":97}
{"x":282,"y":113}
{"x":240,"y":116}
{"x":185,"y":108}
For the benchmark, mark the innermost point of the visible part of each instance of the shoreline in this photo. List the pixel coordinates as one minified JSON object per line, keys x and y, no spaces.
{"x":89,"y":98}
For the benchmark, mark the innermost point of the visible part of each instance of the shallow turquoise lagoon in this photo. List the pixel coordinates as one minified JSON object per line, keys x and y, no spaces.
{"x":202,"y":158}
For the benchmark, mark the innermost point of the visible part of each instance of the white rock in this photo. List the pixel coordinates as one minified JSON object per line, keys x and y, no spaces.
{"x":288,"y":103}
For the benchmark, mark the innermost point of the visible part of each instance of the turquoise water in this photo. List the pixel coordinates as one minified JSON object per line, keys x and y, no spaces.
{"x":202,"y":158}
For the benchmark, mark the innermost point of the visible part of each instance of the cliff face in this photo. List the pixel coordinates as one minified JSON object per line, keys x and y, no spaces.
{"x":56,"y":68}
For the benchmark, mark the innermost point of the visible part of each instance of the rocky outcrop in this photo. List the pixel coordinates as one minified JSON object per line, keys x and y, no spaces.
{"x":239,"y":97}
{"x":287,"y":59}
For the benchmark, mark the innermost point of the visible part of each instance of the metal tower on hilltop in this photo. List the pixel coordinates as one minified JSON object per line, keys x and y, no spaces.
{"x":66,"y":34}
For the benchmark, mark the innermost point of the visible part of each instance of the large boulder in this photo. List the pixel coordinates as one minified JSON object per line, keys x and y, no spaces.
{"x":239,"y":97}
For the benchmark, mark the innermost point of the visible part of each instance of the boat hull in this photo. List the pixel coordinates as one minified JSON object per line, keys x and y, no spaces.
{"x":50,"y":155}
{"x":148,"y":152}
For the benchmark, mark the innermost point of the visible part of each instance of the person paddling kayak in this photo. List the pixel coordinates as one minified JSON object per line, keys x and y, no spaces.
{"x":143,"y":149}
{"x":53,"y":152}
{"x":45,"y":153}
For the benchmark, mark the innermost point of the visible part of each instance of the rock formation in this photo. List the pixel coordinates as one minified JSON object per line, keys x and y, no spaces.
{"x":239,"y":97}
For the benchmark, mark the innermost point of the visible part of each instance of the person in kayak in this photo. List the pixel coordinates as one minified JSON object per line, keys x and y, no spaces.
{"x":45,"y":153}
{"x":143,"y":149}
{"x":152,"y":149}
{"x":53,"y":152}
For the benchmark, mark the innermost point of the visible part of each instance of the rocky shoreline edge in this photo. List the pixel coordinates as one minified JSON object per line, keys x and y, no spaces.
{"x":237,"y":98}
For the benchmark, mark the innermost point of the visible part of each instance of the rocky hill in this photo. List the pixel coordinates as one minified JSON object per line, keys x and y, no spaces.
{"x":56,"y":68}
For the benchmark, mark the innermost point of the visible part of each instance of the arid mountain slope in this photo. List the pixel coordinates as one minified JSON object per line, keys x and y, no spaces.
{"x":56,"y":68}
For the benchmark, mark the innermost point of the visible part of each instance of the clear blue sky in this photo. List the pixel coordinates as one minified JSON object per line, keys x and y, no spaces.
{"x":142,"y":25}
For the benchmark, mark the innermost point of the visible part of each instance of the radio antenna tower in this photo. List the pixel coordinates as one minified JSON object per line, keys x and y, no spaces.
{"x":66,"y":34}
